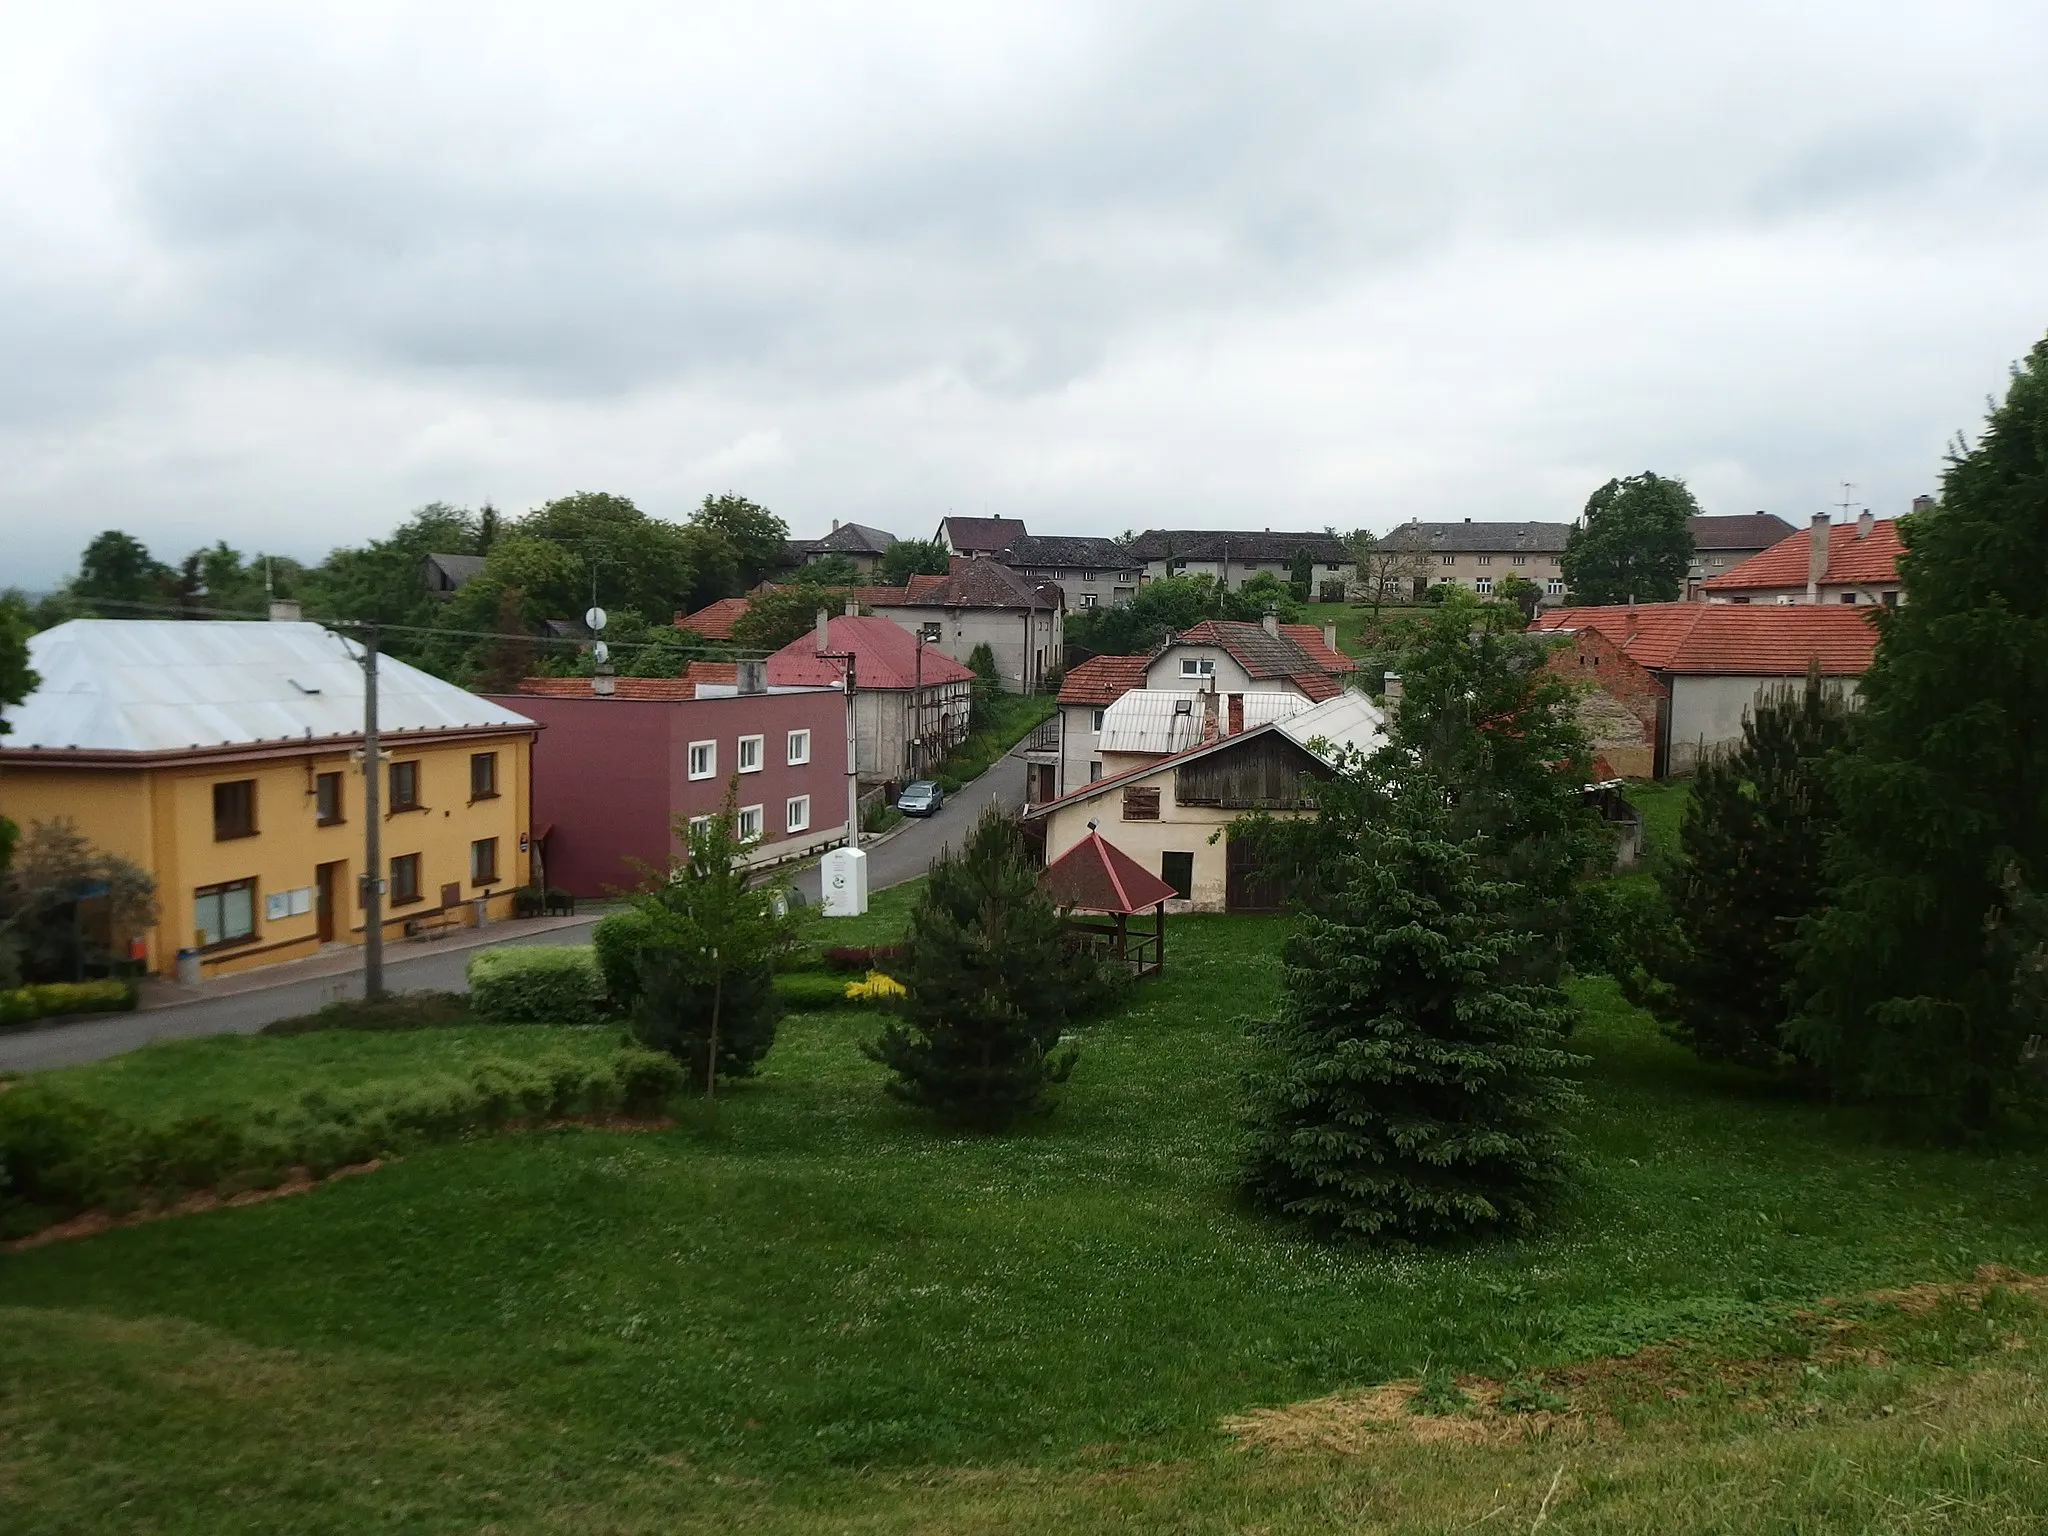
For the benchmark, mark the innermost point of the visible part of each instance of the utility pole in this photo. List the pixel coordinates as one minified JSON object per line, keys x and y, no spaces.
{"x":373,"y":841}
{"x":852,"y":766}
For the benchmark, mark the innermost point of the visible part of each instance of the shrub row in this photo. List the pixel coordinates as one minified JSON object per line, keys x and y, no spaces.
{"x":52,"y":998}
{"x":808,"y":991}
{"x":61,"y":1155}
{"x":536,"y":984}
{"x":862,"y":958}
{"x":397,"y":1010}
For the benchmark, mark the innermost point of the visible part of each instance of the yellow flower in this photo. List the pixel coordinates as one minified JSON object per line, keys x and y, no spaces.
{"x":875,"y":988}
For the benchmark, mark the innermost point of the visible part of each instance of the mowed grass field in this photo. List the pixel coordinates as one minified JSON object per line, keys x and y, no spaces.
{"x":817,"y":1312}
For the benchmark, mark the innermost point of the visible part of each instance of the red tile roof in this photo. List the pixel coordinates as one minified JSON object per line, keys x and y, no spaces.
{"x":1098,"y":876}
{"x":1733,"y":639}
{"x":920,"y":585}
{"x":1102,"y":680}
{"x":885,"y":656}
{"x":1871,"y":560}
{"x":1310,"y":639}
{"x":714,"y":621}
{"x":713,"y":672}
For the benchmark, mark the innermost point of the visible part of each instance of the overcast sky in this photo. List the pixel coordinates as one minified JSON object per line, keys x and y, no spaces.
{"x":278,"y":273}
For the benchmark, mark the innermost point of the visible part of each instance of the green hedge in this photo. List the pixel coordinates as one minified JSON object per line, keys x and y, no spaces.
{"x":535,"y":984}
{"x":808,"y":991}
{"x":618,"y":939}
{"x":60,"y":1155}
{"x":52,"y":998}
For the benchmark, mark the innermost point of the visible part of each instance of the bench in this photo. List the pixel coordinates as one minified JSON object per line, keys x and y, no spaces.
{"x":452,"y":913}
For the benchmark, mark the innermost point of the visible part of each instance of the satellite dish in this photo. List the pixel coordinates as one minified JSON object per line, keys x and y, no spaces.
{"x":600,"y":653}
{"x":595,"y":619}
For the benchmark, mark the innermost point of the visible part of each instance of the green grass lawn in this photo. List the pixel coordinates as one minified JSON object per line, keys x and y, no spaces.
{"x":1352,"y":621}
{"x":818,"y":1312}
{"x":1663,"y":807}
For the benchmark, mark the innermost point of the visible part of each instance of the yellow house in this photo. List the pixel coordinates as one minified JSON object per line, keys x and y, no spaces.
{"x":1172,"y":815}
{"x":226,"y":759}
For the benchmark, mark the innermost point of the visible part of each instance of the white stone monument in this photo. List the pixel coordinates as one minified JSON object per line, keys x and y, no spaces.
{"x":843,"y":876}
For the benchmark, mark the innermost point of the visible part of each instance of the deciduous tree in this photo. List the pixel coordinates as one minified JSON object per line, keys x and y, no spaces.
{"x":1634,"y":543}
{"x":914,"y":557}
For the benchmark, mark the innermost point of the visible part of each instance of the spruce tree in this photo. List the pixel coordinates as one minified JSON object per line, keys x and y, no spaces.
{"x":1919,"y":974}
{"x":990,"y":987}
{"x":1413,"y":1081}
{"x":1754,"y":841}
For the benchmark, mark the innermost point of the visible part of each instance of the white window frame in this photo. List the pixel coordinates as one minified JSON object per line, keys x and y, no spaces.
{"x":1447,"y":559}
{"x":753,"y":754}
{"x":1087,"y":599}
{"x":1554,"y":587}
{"x":798,"y":748}
{"x":710,"y":769}
{"x":1483,"y":585}
{"x":1519,"y":559}
{"x":1098,"y":718}
{"x":1198,"y":666}
{"x":757,"y":815}
{"x":796,"y":815}
{"x":699,"y":821}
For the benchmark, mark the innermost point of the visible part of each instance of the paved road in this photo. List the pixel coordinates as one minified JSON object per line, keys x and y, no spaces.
{"x":903,"y":857}
{"x":910,"y":852}
{"x":244,"y":1013}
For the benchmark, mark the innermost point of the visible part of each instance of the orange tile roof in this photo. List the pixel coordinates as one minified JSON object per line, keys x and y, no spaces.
{"x":639,"y":689}
{"x":886,"y":655}
{"x":1102,"y":680}
{"x":1265,"y":656}
{"x":1097,"y":876}
{"x":1733,"y":639}
{"x":1871,"y":560}
{"x":1310,"y":639}
{"x":714,"y":621}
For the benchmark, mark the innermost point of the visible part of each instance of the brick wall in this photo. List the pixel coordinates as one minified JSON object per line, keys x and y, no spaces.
{"x":1621,"y":703}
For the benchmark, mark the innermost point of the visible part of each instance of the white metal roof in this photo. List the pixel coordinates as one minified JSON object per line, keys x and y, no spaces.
{"x":1349,"y":720}
{"x":1164,"y":720}
{"x":163,"y":685}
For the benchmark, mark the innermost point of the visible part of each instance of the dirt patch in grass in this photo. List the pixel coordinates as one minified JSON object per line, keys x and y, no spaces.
{"x":297,"y":1181}
{"x":1588,"y":1397}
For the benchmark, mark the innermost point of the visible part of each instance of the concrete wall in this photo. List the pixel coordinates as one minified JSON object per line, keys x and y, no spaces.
{"x":1080,"y":745}
{"x":1242,"y":571}
{"x":611,"y":776}
{"x":162,"y":819}
{"x":1707,"y":712}
{"x":1026,"y":644}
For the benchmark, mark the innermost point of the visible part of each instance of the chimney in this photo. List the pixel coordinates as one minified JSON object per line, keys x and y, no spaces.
{"x":1817,"y":556}
{"x":284,"y":611}
{"x":1329,"y":637}
{"x":835,"y":525}
{"x":677,"y":621}
{"x":1392,"y":694}
{"x":852,"y":606}
{"x":753,"y":677}
{"x":1923,"y":503}
{"x":1864,"y":522}
{"x":1209,"y":727}
{"x":1237,"y":714}
{"x":824,"y":629}
{"x":1272,"y":621}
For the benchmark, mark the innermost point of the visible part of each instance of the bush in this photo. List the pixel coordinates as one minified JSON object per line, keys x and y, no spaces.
{"x":862,"y":958}
{"x":618,"y":940}
{"x":59,"y":1155}
{"x":400,"y":1010}
{"x":52,"y":998}
{"x":536,"y":984}
{"x":808,"y":990}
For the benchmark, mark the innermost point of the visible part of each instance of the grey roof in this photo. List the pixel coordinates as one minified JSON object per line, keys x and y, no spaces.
{"x":853,"y":539}
{"x":165,"y":685}
{"x":456,"y":569}
{"x":1746,"y":530}
{"x":981,"y":584}
{"x":1059,"y":551}
{"x":1217,"y":544}
{"x":1469,"y":537}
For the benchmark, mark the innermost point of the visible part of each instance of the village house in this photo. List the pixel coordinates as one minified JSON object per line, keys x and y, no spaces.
{"x":1150,"y":723}
{"x":1090,"y":572}
{"x":1172,"y":816}
{"x":1830,"y":562}
{"x":911,"y":700}
{"x":975,"y":538}
{"x":1230,"y":656}
{"x":1721,"y":543}
{"x":615,"y":775}
{"x":1232,"y":558}
{"x":855,"y":542}
{"x":225,"y":759}
{"x":1479,"y":556}
{"x":1672,"y":682}
{"x":984,"y":602}
{"x":445,"y":575}
{"x":1074,"y":756}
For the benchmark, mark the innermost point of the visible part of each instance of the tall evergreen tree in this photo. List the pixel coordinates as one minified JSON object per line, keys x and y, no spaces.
{"x":1413,"y":1080}
{"x":1634,"y":544}
{"x":1919,"y":972}
{"x":1755,"y":841}
{"x":990,"y":988}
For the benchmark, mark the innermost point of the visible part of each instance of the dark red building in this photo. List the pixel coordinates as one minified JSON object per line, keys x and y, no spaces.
{"x":610,"y":775}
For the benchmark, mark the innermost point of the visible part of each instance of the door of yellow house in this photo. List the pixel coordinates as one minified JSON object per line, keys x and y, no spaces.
{"x":326,"y":883}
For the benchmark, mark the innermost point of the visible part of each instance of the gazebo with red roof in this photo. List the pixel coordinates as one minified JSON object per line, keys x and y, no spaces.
{"x":1097,"y":876}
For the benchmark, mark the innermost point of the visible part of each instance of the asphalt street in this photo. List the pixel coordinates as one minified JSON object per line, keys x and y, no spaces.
{"x":910,"y":852}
